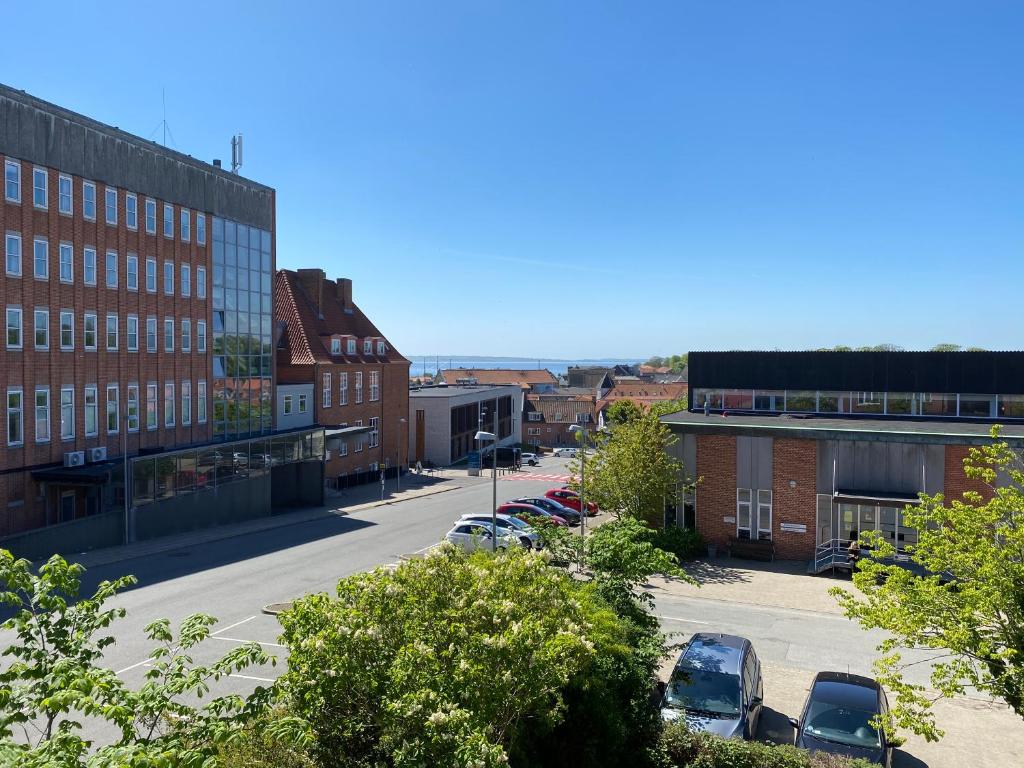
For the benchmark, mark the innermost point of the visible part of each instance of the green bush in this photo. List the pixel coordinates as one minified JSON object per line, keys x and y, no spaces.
{"x":684,"y":543}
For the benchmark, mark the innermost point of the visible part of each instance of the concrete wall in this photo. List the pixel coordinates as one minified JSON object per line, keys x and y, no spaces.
{"x":295,"y":419}
{"x":80,"y":535}
{"x":873,"y":466}
{"x":298,"y":485}
{"x":754,"y":462}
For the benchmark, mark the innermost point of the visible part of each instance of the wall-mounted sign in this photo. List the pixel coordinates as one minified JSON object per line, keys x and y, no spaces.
{"x":793,"y":527}
{"x":728,"y":519}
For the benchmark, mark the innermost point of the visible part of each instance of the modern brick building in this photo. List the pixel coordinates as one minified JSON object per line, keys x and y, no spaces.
{"x":800,"y":449}
{"x":360,"y":382}
{"x":444,"y":420}
{"x":547,"y":417}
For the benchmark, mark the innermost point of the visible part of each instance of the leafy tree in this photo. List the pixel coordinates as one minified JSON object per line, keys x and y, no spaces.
{"x":666,"y":407}
{"x":675,"y":363}
{"x":623,"y":410}
{"x":54,"y":678}
{"x":946,"y":348}
{"x":969,"y":609}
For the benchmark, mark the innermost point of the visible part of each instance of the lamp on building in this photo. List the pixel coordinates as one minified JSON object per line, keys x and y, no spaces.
{"x":481,"y":436}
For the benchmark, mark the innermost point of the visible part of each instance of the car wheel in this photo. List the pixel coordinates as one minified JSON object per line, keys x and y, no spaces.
{"x":502,"y":549}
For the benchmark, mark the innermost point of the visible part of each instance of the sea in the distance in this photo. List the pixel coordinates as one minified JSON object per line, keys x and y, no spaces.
{"x":423,"y":365}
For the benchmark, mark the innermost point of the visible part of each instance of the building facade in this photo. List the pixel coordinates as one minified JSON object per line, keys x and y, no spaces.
{"x":547,"y":417}
{"x":444,"y":420}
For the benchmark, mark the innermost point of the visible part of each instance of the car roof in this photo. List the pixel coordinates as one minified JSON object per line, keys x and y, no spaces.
{"x":715,"y":652}
{"x":844,"y":689}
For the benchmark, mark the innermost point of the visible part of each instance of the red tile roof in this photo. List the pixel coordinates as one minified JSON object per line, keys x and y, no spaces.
{"x":643,"y":393}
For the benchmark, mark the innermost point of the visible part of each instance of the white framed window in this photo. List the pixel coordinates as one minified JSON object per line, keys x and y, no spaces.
{"x":533,"y":431}
{"x":343,"y":393}
{"x":41,"y":258}
{"x":151,"y":415}
{"x":534,"y":416}
{"x":89,"y":265}
{"x":168,"y":278}
{"x":111,"y":332}
{"x":67,"y":329}
{"x":335,"y":346}
{"x":343,"y":448}
{"x":186,"y":335}
{"x":14,"y":327}
{"x":110,"y":205}
{"x":359,"y":442}
{"x":42,"y":414}
{"x":374,"y":432}
{"x":131,"y":278}
{"x":185,"y":226}
{"x":201,"y":336}
{"x":381,"y":348}
{"x":89,"y":331}
{"x":66,"y":262}
{"x":151,"y":334}
{"x":150,"y":216}
{"x":12,"y":181}
{"x":201,"y":282}
{"x":201,"y":402}
{"x":131,"y":331}
{"x":743,"y":512}
{"x":131,"y":210}
{"x":351,"y":346}
{"x":359,"y":387}
{"x":168,"y":403}
{"x":151,"y":275}
{"x":303,"y":405}
{"x":186,"y":403}
{"x":374,"y":386}
{"x":327,"y":391}
{"x":41,"y":328}
{"x":367,"y":347}
{"x":133,"y":408}
{"x":168,"y":334}
{"x":111,"y":269}
{"x":113,"y":409}
{"x":15,"y":416}
{"x":201,"y":229}
{"x":89,"y":201}
{"x":67,"y":413}
{"x":168,"y":220}
{"x":91,"y":407}
{"x":40,"y":190}
{"x":186,"y":280}
{"x":764,"y":514}
{"x":287,"y":405}
{"x":65,"y":204}
{"x":12,"y":251}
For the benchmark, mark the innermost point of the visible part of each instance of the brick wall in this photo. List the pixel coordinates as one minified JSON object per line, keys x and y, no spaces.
{"x":955,"y":481}
{"x":794,"y":460}
{"x":716,"y":493}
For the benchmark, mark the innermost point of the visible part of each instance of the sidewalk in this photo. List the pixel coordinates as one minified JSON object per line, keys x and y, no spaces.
{"x":338,"y":504}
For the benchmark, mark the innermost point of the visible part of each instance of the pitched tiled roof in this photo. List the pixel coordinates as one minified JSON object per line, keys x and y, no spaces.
{"x":524,"y":377}
{"x":643,"y":393}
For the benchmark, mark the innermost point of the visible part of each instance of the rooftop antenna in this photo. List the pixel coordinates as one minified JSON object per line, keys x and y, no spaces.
{"x":163,"y":123}
{"x":236,"y":153}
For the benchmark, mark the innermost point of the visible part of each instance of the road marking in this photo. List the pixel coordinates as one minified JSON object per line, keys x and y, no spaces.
{"x":250,"y":677}
{"x":238,"y":640}
{"x":133,"y":666}
{"x":231,"y":626}
{"x":537,"y":476}
{"x":686,"y":621}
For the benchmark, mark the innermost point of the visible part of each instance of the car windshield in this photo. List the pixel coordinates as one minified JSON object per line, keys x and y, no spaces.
{"x":841,"y":725}
{"x":706,"y":691}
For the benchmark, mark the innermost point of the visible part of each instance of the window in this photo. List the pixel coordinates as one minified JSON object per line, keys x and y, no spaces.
{"x":92,"y":413}
{"x":287,"y":405}
{"x":381,"y":348}
{"x":41,"y":258}
{"x":186,"y":280}
{"x":110,"y":196}
{"x":151,"y":406}
{"x":168,"y":334}
{"x":534,"y":416}
{"x":131,"y":211}
{"x":201,"y":402}
{"x":344,"y":389}
{"x":151,"y":334}
{"x":169,"y":278}
{"x":13,"y":254}
{"x":302,"y":403}
{"x":113,"y":409}
{"x":168,"y":220}
{"x":367,"y":346}
{"x":67,"y":413}
{"x":151,"y":275}
{"x":12,"y":181}
{"x":201,"y":336}
{"x":67,"y":329}
{"x":89,"y":266}
{"x":133,"y":407}
{"x":343,"y":448}
{"x":335,"y":346}
{"x":359,"y":442}
{"x":132,"y":272}
{"x":374,"y":386}
{"x":14,"y":327}
{"x":200,"y":229}
{"x":111,"y":269}
{"x":64,"y":204}
{"x":359,"y":387}
{"x":186,"y":335}
{"x":764,"y":514}
{"x":150,"y":216}
{"x":201,"y":282}
{"x":169,"y":404}
{"x":89,"y":330}
{"x":186,"y":403}
{"x":582,"y":418}
{"x":186,"y":226}
{"x":42,"y":329}
{"x":89,"y":200}
{"x":351,"y":346}
{"x":327,"y":391}
{"x":42,"y":414}
{"x":111,"y":333}
{"x":39,"y":187}
{"x":132,"y":332}
{"x":374,"y":433}
{"x":533,"y":430}
{"x":743,"y":496}
{"x":66,"y":266}
{"x":15,"y":417}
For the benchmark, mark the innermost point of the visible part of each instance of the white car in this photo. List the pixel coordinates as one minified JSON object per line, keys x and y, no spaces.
{"x":507,"y":524}
{"x":565,"y":453}
{"x":529,"y":458}
{"x":471,"y":536}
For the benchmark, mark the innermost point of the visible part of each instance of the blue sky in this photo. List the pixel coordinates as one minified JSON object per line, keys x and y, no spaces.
{"x":598,"y":179}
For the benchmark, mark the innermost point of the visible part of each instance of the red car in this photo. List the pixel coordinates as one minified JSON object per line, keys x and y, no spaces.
{"x":525,"y":511}
{"x":571,"y":499}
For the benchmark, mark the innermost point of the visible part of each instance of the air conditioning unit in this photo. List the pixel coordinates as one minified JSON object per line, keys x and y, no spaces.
{"x":74,"y":458}
{"x":97,"y":454}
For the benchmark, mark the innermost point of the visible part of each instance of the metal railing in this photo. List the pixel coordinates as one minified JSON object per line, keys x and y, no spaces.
{"x":830,"y":554}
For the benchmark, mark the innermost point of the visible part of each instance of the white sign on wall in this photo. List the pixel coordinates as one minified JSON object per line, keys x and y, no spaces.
{"x":728,"y":519}
{"x":793,"y":527}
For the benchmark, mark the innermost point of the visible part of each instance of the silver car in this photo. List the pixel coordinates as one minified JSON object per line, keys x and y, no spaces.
{"x":507,"y":524}
{"x":471,"y":536}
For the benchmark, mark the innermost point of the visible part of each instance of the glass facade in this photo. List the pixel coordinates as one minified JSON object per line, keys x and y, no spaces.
{"x":242,"y":320}
{"x":926,"y":404}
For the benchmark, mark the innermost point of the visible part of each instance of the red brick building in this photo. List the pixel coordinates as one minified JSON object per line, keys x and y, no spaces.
{"x":643,"y":393}
{"x":360,"y":381}
{"x":547,"y":417}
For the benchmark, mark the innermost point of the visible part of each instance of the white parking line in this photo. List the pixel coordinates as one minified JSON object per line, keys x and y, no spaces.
{"x":212,"y":634}
{"x":250,"y":677}
{"x":238,"y":640}
{"x":231,"y":626}
{"x":685,"y":621}
{"x":133,"y":666}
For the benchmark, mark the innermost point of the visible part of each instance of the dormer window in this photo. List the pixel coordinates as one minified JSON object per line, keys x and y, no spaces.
{"x":335,"y":346}
{"x":367,"y":347}
{"x":351,"y":346}
{"x":381,"y":348}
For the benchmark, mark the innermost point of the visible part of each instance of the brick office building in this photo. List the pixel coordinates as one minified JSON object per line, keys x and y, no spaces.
{"x":800,"y":449}
{"x":547,"y":417}
{"x":360,"y":382}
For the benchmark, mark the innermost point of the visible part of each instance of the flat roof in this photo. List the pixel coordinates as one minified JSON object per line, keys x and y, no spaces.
{"x":904,"y":430}
{"x":461,"y":389}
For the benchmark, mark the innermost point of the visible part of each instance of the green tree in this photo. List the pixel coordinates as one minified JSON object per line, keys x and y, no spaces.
{"x":623,"y":410}
{"x":665,"y":407}
{"x":946,"y":348}
{"x":969,"y":609}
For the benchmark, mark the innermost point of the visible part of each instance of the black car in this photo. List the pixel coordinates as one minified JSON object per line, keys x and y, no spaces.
{"x":839,"y":718}
{"x":568,"y":514}
{"x":716,"y":687}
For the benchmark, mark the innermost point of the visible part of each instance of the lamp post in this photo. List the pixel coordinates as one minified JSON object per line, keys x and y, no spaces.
{"x":398,"y":474}
{"x":481,"y":435}
{"x":581,"y":435}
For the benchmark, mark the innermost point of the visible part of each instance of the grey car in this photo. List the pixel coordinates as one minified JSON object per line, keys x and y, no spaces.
{"x":716,"y":687}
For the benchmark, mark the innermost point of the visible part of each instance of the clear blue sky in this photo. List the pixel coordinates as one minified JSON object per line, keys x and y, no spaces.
{"x":609,"y":178}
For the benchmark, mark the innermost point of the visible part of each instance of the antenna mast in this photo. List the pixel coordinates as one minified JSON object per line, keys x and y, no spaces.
{"x":236,"y":153}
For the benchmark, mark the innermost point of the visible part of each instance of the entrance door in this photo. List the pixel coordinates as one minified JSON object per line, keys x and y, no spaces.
{"x":420,"y":437}
{"x":67,"y":506}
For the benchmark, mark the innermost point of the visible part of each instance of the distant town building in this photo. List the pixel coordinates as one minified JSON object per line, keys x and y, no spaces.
{"x":598,"y":377}
{"x":443,"y":420}
{"x":548,"y":416}
{"x":642,"y":393}
{"x":529,"y":379}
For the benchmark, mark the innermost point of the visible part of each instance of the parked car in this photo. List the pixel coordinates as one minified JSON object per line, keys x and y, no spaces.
{"x":471,"y":536}
{"x":565,"y":453}
{"x":716,"y":687}
{"x":525,"y":511}
{"x":838,"y":715}
{"x":508,"y":458}
{"x":568,"y":513}
{"x":571,"y":499}
{"x":507,"y":524}
{"x":529,"y":458}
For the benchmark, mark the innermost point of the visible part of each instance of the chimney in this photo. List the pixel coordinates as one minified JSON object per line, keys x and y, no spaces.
{"x":344,"y":293}
{"x":312,"y":282}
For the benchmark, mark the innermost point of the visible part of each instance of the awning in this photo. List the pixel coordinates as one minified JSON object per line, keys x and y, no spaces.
{"x":87,"y":474}
{"x":881,"y":498}
{"x":345,"y":431}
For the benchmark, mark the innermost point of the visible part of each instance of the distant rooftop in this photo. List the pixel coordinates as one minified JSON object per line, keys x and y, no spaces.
{"x":458,"y":389}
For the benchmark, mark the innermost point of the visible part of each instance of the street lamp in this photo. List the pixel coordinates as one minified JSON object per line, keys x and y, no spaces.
{"x":481,"y":435}
{"x":581,"y":435}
